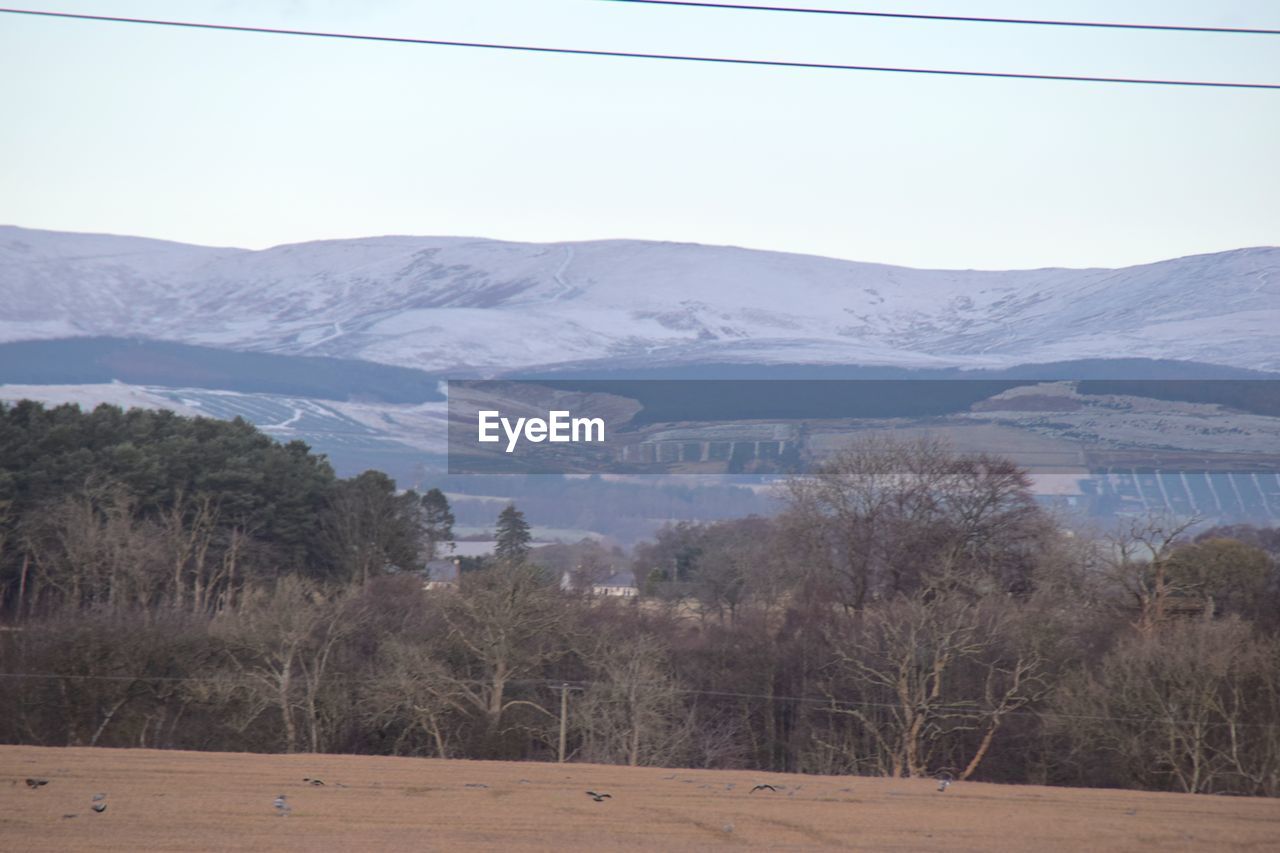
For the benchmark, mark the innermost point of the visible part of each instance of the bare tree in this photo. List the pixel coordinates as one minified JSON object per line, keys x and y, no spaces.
{"x":507,"y":621}
{"x":280,"y":646}
{"x":884,"y":517}
{"x":187,"y":530}
{"x":1137,"y":558}
{"x":97,"y":677}
{"x":925,"y":670}
{"x":1226,"y":575}
{"x":415,"y":695}
{"x":1189,"y":705}
{"x":90,"y":549}
{"x":631,"y":711}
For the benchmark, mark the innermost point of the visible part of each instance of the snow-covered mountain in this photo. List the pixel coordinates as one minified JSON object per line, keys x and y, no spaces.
{"x":442,"y":303}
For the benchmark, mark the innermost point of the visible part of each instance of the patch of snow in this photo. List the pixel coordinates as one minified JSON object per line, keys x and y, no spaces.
{"x":439,"y":303}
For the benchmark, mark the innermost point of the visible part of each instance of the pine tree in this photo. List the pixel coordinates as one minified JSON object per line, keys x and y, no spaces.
{"x":437,"y":522}
{"x":513,"y":536}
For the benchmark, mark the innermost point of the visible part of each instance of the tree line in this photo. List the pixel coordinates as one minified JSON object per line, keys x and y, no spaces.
{"x":146,"y":509}
{"x":186,"y":583}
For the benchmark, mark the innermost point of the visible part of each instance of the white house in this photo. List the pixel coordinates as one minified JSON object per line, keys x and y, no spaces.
{"x":620,"y":584}
{"x":442,"y":574}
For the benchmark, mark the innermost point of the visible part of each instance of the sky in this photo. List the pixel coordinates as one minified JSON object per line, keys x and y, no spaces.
{"x":256,"y":140}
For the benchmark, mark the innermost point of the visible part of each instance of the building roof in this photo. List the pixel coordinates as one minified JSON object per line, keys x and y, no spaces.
{"x":621,"y":579}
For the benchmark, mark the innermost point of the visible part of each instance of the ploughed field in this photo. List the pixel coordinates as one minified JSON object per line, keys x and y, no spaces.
{"x":174,"y":801}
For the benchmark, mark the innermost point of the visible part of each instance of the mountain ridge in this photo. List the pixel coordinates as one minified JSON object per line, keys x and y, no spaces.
{"x":475,"y":304}
{"x":464,"y":238}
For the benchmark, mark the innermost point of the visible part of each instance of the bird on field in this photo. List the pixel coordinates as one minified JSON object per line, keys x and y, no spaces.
{"x":99,"y":803}
{"x":728,"y":827}
{"x":36,"y":783}
{"x":944,"y":780}
{"x":310,"y":781}
{"x":282,"y":806}
{"x":599,"y":797}
{"x":763,"y":788}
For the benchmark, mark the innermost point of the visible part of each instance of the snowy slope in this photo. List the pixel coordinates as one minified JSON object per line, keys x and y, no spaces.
{"x":333,"y":425}
{"x":446,"y":303}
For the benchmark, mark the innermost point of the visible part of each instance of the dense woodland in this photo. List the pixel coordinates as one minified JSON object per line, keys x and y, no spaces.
{"x":189,"y":583}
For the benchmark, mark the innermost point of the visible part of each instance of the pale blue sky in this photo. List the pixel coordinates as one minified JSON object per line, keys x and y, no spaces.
{"x":254,"y":140}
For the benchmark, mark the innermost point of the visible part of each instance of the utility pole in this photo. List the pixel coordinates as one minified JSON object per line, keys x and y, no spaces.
{"x":564,"y":689}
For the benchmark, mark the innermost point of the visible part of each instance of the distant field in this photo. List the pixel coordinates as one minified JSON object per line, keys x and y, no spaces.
{"x":176,"y":801}
{"x":1038,"y":453}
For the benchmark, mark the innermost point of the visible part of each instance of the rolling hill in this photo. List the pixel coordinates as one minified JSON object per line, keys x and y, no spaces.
{"x":344,"y":343}
{"x":473,"y":307}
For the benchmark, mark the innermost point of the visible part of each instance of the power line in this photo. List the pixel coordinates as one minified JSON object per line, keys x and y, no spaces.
{"x":828,"y":703}
{"x":968,"y":19}
{"x":672,"y":57}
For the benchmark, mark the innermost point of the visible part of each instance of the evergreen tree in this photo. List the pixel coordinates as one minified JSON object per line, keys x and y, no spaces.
{"x":370,"y":529}
{"x":437,"y":522}
{"x":513,"y":536}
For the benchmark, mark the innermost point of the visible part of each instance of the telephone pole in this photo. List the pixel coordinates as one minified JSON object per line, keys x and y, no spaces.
{"x":564,"y":689}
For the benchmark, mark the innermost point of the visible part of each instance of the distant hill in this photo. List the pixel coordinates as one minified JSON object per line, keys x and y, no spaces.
{"x":472,"y":306}
{"x":77,"y":361}
{"x":343,"y":343}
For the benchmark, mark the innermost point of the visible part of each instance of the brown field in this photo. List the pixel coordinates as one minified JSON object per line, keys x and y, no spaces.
{"x":1040,"y":454}
{"x":174,"y":801}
